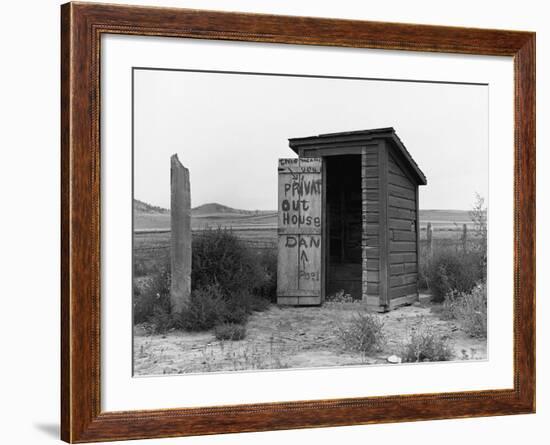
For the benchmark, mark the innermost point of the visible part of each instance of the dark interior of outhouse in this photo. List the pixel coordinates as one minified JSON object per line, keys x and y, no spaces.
{"x":343,"y":206}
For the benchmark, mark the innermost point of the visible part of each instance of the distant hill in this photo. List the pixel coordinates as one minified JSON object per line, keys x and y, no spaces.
{"x":147,"y":216}
{"x":143,"y":207}
{"x":214,"y":208}
{"x":458,"y":216}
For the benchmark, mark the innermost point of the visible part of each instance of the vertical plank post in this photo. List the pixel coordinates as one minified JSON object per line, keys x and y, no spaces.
{"x":364,"y":242}
{"x":417,"y":227}
{"x":324,"y":231}
{"x":384,"y":285}
{"x":180,"y":234}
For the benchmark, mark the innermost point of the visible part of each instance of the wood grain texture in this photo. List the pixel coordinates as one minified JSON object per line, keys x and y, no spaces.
{"x":81,"y":416}
{"x":383,"y":236}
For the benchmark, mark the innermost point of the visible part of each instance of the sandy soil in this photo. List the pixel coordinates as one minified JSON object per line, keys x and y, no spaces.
{"x":291,"y":337}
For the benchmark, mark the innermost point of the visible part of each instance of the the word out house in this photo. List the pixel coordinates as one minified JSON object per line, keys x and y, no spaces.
{"x":348,"y":220}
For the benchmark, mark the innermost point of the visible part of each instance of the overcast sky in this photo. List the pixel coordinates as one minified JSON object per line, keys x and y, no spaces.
{"x":230,"y":129}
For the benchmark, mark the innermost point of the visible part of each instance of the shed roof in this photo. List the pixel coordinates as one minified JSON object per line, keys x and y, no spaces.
{"x":354,"y":137}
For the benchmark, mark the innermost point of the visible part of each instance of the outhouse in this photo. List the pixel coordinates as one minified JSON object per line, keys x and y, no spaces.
{"x":348,"y":220}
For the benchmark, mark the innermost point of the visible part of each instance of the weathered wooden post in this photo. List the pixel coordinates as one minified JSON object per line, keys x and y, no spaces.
{"x":429,"y":239}
{"x":180,"y":220}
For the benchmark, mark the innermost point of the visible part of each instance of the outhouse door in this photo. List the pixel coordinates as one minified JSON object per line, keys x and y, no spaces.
{"x":300,"y":265}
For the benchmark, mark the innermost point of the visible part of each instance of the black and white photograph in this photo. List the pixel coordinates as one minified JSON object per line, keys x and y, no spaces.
{"x":275,"y":222}
{"x":298,"y":221}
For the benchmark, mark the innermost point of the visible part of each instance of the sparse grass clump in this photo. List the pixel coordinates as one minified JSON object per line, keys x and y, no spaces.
{"x":469,"y":309}
{"x":426,"y":345}
{"x":364,"y":333}
{"x":230,"y":331}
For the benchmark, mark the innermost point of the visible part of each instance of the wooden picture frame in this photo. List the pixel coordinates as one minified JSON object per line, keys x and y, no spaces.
{"x":82,"y":26}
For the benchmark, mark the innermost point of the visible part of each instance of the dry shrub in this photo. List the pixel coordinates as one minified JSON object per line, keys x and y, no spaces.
{"x":205,"y":309}
{"x":469,"y":309}
{"x":426,"y":345}
{"x":229,"y":282}
{"x":364,"y":333}
{"x":245,"y":279}
{"x":452,"y":269}
{"x":221,"y":258}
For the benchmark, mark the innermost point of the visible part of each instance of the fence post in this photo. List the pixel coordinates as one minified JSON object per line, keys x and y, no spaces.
{"x":180,"y":235}
{"x":464,"y":237}
{"x":429,"y":239}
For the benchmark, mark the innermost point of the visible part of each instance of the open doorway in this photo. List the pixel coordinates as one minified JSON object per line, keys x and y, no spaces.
{"x":343,"y":206}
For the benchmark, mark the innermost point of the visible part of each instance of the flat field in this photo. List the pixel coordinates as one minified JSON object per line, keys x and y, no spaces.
{"x":258,"y":229}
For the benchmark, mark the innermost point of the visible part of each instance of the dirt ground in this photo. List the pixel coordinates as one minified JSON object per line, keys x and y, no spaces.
{"x":291,"y":337}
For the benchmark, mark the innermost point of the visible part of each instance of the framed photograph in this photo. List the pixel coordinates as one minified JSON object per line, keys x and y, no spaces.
{"x":274,"y":222}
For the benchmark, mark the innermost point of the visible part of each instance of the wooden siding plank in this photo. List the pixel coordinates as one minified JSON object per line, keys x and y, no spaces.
{"x":401,"y":192}
{"x":373,"y":288}
{"x":401,"y":280}
{"x":372,"y":158}
{"x":402,"y":268}
{"x":402,"y":203}
{"x":373,"y":218}
{"x":393,"y":168}
{"x":400,"y":181}
{"x":372,"y":241}
{"x":372,"y":229}
{"x":401,"y":213}
{"x":371,"y":183}
{"x":407,"y":257}
{"x":324,"y":232}
{"x":397,"y":269}
{"x":417,"y":226}
{"x":403,"y":235}
{"x":396,"y":160}
{"x":408,"y":289}
{"x":399,"y":224}
{"x":373,"y":265}
{"x":373,"y":252}
{"x":402,"y":246}
{"x":383,"y":212}
{"x":371,"y":172}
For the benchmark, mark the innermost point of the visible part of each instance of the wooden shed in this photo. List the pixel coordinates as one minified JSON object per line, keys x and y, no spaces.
{"x":348,"y":220}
